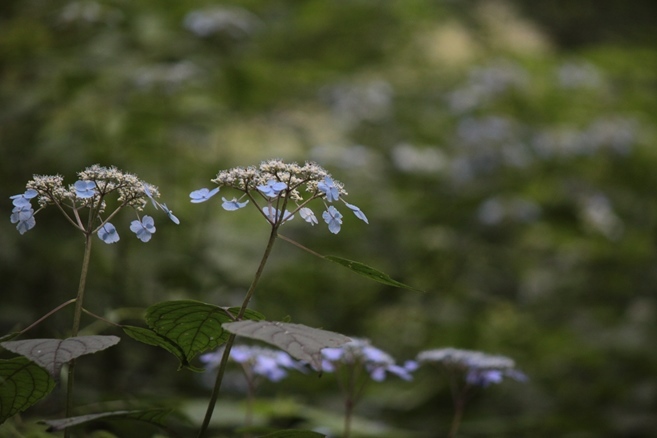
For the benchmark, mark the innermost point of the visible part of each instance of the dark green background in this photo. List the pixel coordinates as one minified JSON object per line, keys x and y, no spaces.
{"x":523,"y":205}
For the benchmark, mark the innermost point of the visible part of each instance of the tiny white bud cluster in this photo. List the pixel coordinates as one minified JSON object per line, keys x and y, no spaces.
{"x":295,"y":176}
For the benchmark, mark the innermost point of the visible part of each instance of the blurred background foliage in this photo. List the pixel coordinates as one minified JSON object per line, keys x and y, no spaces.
{"x":504,"y":152}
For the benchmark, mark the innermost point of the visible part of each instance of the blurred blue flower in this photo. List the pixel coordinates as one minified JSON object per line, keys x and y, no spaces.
{"x":272,"y":188}
{"x":359,"y":214}
{"x":329,"y":188}
{"x":333,"y":218}
{"x":308,"y":216}
{"x":202,"y":195}
{"x":274,"y":214}
{"x":23,"y":198}
{"x":108,"y":234}
{"x":233,"y":204}
{"x":144,"y":229}
{"x":84,"y":189}
{"x":23,"y":216}
{"x":480,"y":369}
{"x":359,"y":352}
{"x":258,"y":361}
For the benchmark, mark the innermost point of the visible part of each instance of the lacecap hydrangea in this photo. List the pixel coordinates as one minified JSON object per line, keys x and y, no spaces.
{"x":281,"y":190}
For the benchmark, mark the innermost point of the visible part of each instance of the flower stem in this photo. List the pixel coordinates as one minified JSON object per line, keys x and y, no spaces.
{"x":231,"y":338}
{"x":77,"y":316}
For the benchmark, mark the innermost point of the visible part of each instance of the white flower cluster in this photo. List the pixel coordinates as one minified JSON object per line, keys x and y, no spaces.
{"x":466,"y":358}
{"x":248,"y":179}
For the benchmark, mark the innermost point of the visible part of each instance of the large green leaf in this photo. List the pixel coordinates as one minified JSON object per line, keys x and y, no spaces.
{"x":300,"y":341}
{"x":22,"y":384}
{"x":148,"y":336}
{"x":192,"y":325}
{"x":153,"y":416}
{"x":368,"y":271}
{"x":52,"y":354}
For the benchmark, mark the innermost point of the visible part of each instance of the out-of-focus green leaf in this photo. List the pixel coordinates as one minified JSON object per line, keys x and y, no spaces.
{"x":368,"y":271}
{"x":52,"y":354}
{"x":153,"y":416}
{"x":294,"y":434}
{"x":300,"y":341}
{"x":22,"y":384}
{"x":192,"y":325}
{"x":148,"y":336}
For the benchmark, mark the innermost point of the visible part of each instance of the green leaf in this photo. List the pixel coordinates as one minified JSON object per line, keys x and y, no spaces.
{"x":368,"y":271}
{"x":192,"y":325}
{"x":148,"y":336}
{"x":294,"y":434}
{"x":52,"y":354}
{"x":22,"y":384}
{"x":153,"y":416}
{"x":300,"y":341}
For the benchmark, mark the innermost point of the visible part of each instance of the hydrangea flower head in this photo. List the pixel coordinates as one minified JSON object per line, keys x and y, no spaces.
{"x":256,"y":361}
{"x":91,"y":191}
{"x":480,"y":369}
{"x":280,"y":190}
{"x":359,"y":352}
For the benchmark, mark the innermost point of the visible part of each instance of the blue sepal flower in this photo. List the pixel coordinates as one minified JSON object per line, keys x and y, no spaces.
{"x":333,"y":218}
{"x":308,"y":216}
{"x":233,"y":204}
{"x":23,"y":217}
{"x":329,"y":188}
{"x":202,"y":195}
{"x":144,"y":229}
{"x":169,"y":213}
{"x":147,"y":190}
{"x":272,"y":188}
{"x":24,"y":198}
{"x":84,"y":189}
{"x":274,"y":214}
{"x":359,"y":214}
{"x":108,"y":234}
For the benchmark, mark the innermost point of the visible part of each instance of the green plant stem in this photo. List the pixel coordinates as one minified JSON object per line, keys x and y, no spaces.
{"x":459,"y":407}
{"x":231,"y":338}
{"x":77,"y":316}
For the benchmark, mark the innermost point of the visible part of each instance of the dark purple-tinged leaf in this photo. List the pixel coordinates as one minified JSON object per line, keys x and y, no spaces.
{"x":368,"y":271}
{"x":22,"y":384}
{"x":52,"y":354}
{"x":300,"y":341}
{"x":193,"y":325}
{"x":153,"y":416}
{"x":148,"y":336}
{"x":294,"y":434}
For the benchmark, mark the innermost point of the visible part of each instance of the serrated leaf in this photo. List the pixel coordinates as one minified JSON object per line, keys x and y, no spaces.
{"x":367,"y":271}
{"x":294,"y":434}
{"x":148,"y":336}
{"x":193,"y":325}
{"x":300,"y":341}
{"x":22,"y":384}
{"x":153,"y":416}
{"x":52,"y":354}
